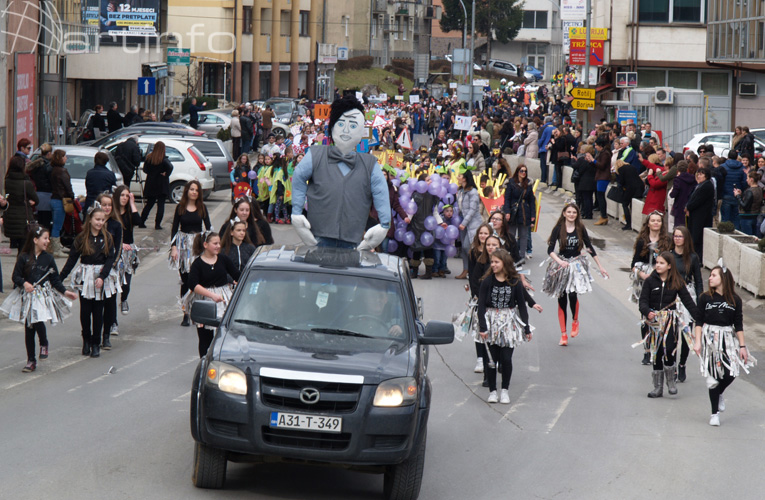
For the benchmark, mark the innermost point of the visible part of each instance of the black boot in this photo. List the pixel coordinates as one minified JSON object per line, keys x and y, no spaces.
{"x":646,"y":358}
{"x":414,"y":272}
{"x":681,"y":373}
{"x":106,"y":344}
{"x":185,"y":321}
{"x":95,"y":351}
{"x":85,"y":346}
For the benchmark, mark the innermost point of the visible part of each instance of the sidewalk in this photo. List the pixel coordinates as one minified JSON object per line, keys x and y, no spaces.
{"x":617,"y":249}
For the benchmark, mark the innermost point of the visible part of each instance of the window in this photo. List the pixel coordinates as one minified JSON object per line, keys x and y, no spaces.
{"x":403,"y":32}
{"x":398,"y":28}
{"x":265,"y":21}
{"x":209,"y":149}
{"x":683,"y":79}
{"x":345,"y":25}
{"x":304,"y":23}
{"x":672,"y":11}
{"x":373,"y":28}
{"x":714,"y":83}
{"x":247,"y":20}
{"x":651,"y":78}
{"x":534,"y":19}
{"x":284,"y":23}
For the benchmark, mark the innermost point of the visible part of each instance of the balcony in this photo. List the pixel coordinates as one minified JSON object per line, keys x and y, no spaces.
{"x":380,"y":6}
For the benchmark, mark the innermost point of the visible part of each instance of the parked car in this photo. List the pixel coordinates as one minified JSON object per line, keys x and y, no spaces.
{"x":216,"y":153}
{"x":142,"y":129}
{"x":321,"y":357}
{"x":721,"y":142}
{"x":210,"y":122}
{"x":82,"y":130}
{"x":79,"y":159}
{"x":287,"y":110}
{"x":188,"y":164}
{"x":502,"y":67}
{"x":531,"y":74}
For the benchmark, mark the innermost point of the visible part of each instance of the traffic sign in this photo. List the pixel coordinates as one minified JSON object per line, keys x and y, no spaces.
{"x":147,"y":86}
{"x":580,"y":93}
{"x":342,"y":53}
{"x":582,"y":104}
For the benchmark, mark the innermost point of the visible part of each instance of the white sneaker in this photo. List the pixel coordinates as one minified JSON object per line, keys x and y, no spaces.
{"x":114,"y":330}
{"x":721,"y":403}
{"x":715,"y":420}
{"x":528,"y":256}
{"x":478,"y":366}
{"x":504,"y":397}
{"x":493,"y":398}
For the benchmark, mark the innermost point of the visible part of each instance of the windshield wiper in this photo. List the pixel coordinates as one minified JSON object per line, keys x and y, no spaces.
{"x":339,"y":331}
{"x":261,"y":324}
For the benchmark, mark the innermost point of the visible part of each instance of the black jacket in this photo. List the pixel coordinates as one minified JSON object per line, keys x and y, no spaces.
{"x":701,"y":204}
{"x":39,"y":171}
{"x":97,"y":122}
{"x":33,"y":272}
{"x":157,"y":184}
{"x":113,"y":120}
{"x":525,"y":201}
{"x":627,"y":177}
{"x":19,"y":211}
{"x":657,"y":295}
{"x":99,"y":179}
{"x":586,"y":171}
{"x":128,"y":158}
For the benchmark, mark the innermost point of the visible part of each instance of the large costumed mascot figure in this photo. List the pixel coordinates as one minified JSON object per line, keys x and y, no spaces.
{"x":341,"y":186}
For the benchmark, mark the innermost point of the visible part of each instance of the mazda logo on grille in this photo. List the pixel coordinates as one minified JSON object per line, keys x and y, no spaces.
{"x":310,"y":396}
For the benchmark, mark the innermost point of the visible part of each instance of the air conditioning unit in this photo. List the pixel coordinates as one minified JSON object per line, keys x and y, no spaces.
{"x":747,"y":89}
{"x":664,"y":95}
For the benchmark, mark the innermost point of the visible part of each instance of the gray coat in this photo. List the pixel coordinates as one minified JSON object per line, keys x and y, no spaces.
{"x":469,"y":204}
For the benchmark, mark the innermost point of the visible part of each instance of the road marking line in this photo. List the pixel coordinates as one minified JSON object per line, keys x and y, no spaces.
{"x":182,"y":398}
{"x":561,"y":409}
{"x":152,"y":379}
{"x":151,"y":340}
{"x":105,"y":375}
{"x":520,"y":402}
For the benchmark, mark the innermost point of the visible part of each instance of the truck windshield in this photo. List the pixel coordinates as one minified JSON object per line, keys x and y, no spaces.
{"x":327,"y":304}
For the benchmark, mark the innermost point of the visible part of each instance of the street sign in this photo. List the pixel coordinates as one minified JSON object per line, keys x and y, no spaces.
{"x":580,"y":93}
{"x":581,"y":33}
{"x":147,"y":86}
{"x":582,"y":104}
{"x":626,"y":79}
{"x":178,"y":57}
{"x":342,"y":53}
{"x":577,"y":52}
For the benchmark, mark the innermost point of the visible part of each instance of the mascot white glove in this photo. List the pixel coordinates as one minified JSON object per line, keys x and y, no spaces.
{"x":372,"y":238}
{"x":303,"y":229}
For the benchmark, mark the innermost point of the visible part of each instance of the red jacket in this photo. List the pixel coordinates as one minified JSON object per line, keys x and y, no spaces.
{"x":657,"y":190}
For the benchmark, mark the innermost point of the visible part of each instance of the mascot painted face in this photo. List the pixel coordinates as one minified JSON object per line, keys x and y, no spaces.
{"x":340,"y":186}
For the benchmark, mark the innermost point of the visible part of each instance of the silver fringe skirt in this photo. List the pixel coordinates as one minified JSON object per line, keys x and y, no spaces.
{"x":44,"y":303}
{"x":128,"y":263}
{"x":184,"y":242}
{"x":224,"y":291}
{"x":637,"y":283}
{"x":719,"y":350}
{"x":575,"y":277}
{"x":505,"y":327}
{"x":84,"y":278}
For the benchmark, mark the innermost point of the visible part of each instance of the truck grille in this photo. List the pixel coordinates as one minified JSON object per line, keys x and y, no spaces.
{"x":333,"y":397}
{"x":306,"y":439}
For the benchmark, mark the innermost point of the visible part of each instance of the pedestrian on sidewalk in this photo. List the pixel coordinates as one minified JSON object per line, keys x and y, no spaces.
{"x":468,"y":203}
{"x":720,"y":338}
{"x":157,"y":168}
{"x":689,"y":267}
{"x":94,"y":277}
{"x":658,"y":306}
{"x":61,"y":183}
{"x":37,"y":294}
{"x":602,"y":177}
{"x":568,"y":274}
{"x":503,"y":320}
{"x":701,"y":208}
{"x":20,"y":200}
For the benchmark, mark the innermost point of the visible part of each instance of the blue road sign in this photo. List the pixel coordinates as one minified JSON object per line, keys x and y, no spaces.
{"x":147,"y":86}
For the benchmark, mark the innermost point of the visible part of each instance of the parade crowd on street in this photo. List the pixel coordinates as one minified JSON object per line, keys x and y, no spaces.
{"x":444,"y":172}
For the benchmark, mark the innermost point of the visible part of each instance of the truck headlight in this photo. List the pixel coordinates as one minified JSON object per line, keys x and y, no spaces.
{"x":396,"y":392}
{"x":227,"y":378}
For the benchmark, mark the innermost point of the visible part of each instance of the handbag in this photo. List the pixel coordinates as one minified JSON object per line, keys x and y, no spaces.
{"x":575,"y":176}
{"x":616,"y":193}
{"x":68,"y":205}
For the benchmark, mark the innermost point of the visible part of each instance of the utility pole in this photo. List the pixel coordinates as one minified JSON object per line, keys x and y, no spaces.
{"x":472,"y":53}
{"x":588,"y":50}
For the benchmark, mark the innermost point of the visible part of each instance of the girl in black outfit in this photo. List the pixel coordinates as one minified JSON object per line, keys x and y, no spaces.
{"x":503,"y":319}
{"x":478,"y":262}
{"x":208,"y":279}
{"x":95,"y":277}
{"x":236,"y":244}
{"x":157,"y":168}
{"x":128,"y":263}
{"x":189,"y":216}
{"x":520,"y":207}
{"x":657,"y":305}
{"x":689,"y":267}
{"x":114,"y":226}
{"x":652,"y":240}
{"x":720,"y":338}
{"x":258,"y":228}
{"x":585,"y":186}
{"x":571,"y":237}
{"x":497,"y":221}
{"x":35,"y":277}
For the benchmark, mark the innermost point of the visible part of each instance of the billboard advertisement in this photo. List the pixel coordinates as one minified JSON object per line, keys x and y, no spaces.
{"x":123,"y":18}
{"x":24,"y":90}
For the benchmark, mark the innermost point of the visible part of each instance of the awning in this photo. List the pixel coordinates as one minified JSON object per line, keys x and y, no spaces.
{"x":158,"y":70}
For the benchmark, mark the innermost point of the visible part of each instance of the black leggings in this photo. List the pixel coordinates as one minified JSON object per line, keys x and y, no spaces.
{"x":684,"y":349}
{"x":573,"y":302}
{"x":126,"y":287}
{"x":30,"y":331}
{"x":184,"y":283}
{"x":91,"y":309}
{"x":504,"y":357}
{"x":110,"y":313}
{"x":205,"y":339}
{"x":714,"y":394}
{"x":666,"y":358}
{"x":149,"y":204}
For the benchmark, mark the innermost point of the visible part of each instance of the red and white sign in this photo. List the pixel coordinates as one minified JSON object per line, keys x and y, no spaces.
{"x":577,"y":52}
{"x":24,"y":88}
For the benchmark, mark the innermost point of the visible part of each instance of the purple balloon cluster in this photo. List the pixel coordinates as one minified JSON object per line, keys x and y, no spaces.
{"x":437,"y":236}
